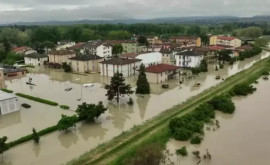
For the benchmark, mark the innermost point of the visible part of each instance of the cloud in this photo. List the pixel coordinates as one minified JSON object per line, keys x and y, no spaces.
{"x":44,"y":10}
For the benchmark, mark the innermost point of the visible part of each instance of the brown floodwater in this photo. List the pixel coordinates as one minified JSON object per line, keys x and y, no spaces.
{"x":241,"y":139}
{"x":59,"y":147}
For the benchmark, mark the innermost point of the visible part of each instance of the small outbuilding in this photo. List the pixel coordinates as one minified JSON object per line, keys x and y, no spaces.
{"x":8,"y":103}
{"x":161,"y":73}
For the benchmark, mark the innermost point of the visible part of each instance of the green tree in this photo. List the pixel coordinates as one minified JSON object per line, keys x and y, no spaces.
{"x":7,"y":45}
{"x":35,"y":136}
{"x":261,"y":42}
{"x":66,"y":67}
{"x":48,"y":45}
{"x":117,"y":49}
{"x":66,"y":122}
{"x":223,"y":103}
{"x":38,"y":46}
{"x":194,"y":30}
{"x":11,"y":58}
{"x":90,"y":112}
{"x":224,"y":55}
{"x":143,"y":86}
{"x":204,"y":66}
{"x":3,"y":144}
{"x":143,"y":40}
{"x":204,"y":39}
{"x":118,"y":87}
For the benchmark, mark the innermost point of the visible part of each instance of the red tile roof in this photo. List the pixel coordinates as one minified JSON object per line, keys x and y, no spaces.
{"x":226,"y":38}
{"x":217,"y":48}
{"x":159,"y":68}
{"x":18,"y":49}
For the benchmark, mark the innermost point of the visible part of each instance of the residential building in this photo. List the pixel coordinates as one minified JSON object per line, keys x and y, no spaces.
{"x":131,"y":46}
{"x":98,"y":48}
{"x":2,"y":74}
{"x":64,"y":44}
{"x":126,"y":66}
{"x":8,"y":103}
{"x":153,"y":40}
{"x":85,"y":63}
{"x":35,"y":59}
{"x":23,"y":50}
{"x":213,"y":40}
{"x":167,"y":56}
{"x":152,"y":48}
{"x":208,"y":54}
{"x":60,"y":56}
{"x":161,"y":73}
{"x":187,"y":40}
{"x":188,"y":59}
{"x":228,"y":41}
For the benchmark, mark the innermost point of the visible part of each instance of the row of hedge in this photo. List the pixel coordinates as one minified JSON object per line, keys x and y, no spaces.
{"x":7,"y":90}
{"x":37,"y":99}
{"x":30,"y":136}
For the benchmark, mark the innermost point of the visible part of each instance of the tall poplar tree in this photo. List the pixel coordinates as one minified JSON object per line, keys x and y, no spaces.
{"x":143,"y":86}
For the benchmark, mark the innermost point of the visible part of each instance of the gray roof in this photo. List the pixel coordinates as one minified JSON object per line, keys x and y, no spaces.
{"x":188,"y":53}
{"x":86,"y":58}
{"x":120,"y":61}
{"x":6,"y":96}
{"x":36,"y":55}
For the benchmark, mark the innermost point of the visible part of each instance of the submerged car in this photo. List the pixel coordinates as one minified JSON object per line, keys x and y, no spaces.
{"x":68,"y":89}
{"x":88,"y":85}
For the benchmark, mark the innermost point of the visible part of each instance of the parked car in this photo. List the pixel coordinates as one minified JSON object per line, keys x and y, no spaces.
{"x":88,"y":85}
{"x":68,"y":89}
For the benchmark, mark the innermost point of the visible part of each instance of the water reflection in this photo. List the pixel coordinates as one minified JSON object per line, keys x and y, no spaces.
{"x":119,"y":114}
{"x":36,"y":149}
{"x":10,"y":119}
{"x":92,"y":130}
{"x":142,"y":102}
{"x":68,"y":138}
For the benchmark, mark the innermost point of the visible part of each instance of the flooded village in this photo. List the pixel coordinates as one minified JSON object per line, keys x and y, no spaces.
{"x":43,"y":88}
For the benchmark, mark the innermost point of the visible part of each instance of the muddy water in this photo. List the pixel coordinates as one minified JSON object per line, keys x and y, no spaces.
{"x":50,"y":84}
{"x":243,"y":137}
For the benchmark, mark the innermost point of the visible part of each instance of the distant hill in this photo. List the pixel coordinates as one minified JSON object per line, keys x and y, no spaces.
{"x":169,"y":20}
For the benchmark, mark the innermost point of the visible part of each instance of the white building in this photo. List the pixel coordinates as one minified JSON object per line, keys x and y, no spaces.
{"x":98,"y":48}
{"x":64,"y":44}
{"x":127,"y":67}
{"x":188,"y":59}
{"x":35,"y":59}
{"x":148,"y":59}
{"x":8,"y":103}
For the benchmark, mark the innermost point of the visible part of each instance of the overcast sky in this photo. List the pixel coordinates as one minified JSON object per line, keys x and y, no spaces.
{"x":44,"y":10}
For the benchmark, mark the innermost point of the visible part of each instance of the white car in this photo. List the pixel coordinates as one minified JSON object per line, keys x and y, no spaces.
{"x":88,"y":85}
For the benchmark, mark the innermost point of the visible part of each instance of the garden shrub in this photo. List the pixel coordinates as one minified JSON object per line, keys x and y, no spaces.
{"x":26,"y":105}
{"x":64,"y":106}
{"x":182,"y":151}
{"x":223,"y":103}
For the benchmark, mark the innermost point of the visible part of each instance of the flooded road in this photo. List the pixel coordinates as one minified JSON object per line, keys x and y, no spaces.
{"x":58,"y":147}
{"x":243,"y":136}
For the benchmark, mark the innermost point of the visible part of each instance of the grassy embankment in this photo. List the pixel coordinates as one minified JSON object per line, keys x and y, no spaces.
{"x":156,"y":130}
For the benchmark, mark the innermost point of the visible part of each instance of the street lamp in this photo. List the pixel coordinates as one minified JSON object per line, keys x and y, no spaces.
{"x":79,"y":99}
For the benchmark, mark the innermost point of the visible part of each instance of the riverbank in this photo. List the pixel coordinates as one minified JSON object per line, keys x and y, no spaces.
{"x":243,"y":135}
{"x":125,"y":145}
